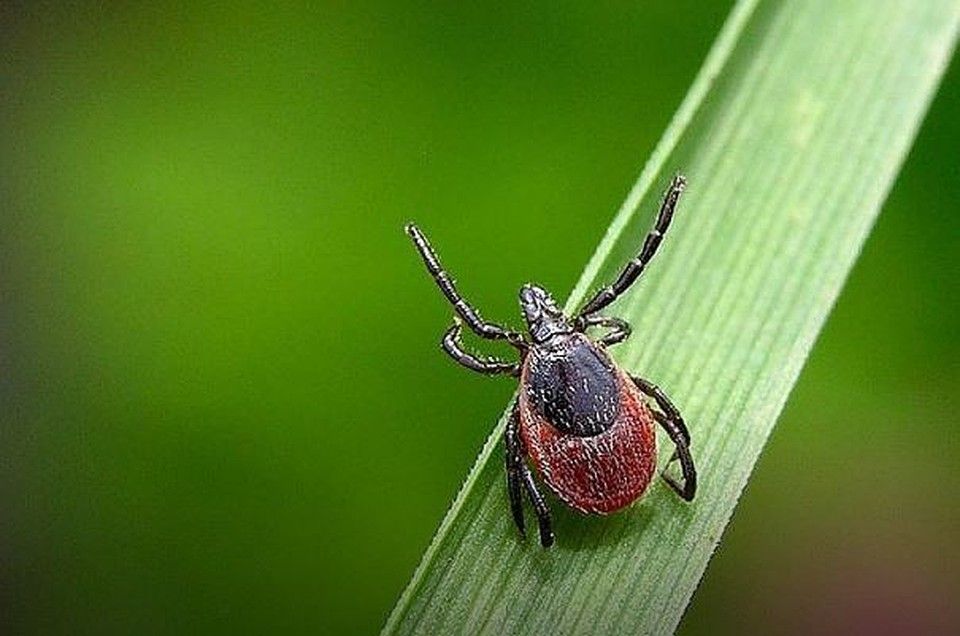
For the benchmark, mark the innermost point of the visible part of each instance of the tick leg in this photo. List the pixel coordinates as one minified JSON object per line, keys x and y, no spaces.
{"x":620,"y":329}
{"x":665,"y":405}
{"x":634,"y":268}
{"x":514,"y":458}
{"x":470,"y":315}
{"x":672,"y":422}
{"x":519,"y":474}
{"x":689,"y":487}
{"x":488,"y":366}
{"x":539,"y":507}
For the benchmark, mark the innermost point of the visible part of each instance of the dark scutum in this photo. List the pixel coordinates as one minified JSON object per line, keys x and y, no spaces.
{"x":572,"y":384}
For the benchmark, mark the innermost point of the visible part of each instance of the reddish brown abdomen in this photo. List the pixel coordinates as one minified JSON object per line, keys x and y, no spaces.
{"x":601,"y":473}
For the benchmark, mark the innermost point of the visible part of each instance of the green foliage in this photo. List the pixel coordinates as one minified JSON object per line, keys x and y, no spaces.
{"x":791,"y":137}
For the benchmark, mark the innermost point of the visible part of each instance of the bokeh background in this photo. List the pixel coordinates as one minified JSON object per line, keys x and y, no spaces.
{"x":223,"y":406}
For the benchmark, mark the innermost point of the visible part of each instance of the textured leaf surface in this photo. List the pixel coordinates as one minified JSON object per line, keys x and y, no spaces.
{"x":791,"y":137}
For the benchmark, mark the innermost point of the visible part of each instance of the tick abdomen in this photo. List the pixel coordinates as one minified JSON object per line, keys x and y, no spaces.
{"x":573,"y":385}
{"x":599,"y":473}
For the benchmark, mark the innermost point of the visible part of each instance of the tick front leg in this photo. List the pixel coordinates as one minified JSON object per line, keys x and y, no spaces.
{"x":676,"y":428}
{"x":519,"y":476}
{"x":484,"y":329}
{"x":635,"y":268}
{"x":488,"y":366}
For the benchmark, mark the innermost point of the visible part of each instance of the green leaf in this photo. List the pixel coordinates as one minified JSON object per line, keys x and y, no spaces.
{"x":790,"y":137}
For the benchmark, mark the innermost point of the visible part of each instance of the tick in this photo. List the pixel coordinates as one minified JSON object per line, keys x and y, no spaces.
{"x":583,"y":422}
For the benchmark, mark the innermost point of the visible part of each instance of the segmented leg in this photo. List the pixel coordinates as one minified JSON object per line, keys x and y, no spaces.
{"x":689,"y":487}
{"x":444,"y":281}
{"x":540,"y":508}
{"x":620,"y":329}
{"x":664,"y":403}
{"x":634,"y":268}
{"x":514,"y":460}
{"x":488,"y":366}
{"x":672,"y":422}
{"x":519,"y":475}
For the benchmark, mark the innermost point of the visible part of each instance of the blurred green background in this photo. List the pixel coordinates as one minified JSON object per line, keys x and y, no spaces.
{"x":224,"y":408}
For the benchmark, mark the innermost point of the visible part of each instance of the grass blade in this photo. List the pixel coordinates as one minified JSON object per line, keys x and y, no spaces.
{"x":791,"y":137}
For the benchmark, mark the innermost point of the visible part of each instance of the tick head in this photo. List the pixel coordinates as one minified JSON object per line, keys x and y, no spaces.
{"x":544,"y":318}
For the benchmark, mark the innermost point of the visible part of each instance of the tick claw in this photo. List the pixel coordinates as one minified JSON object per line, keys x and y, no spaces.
{"x":546,"y":540}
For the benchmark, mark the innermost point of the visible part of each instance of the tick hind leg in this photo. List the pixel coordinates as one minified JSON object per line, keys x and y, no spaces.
{"x":520,"y":478}
{"x":672,"y":422}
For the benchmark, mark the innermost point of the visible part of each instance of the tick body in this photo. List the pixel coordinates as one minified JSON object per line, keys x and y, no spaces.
{"x":586,"y":425}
